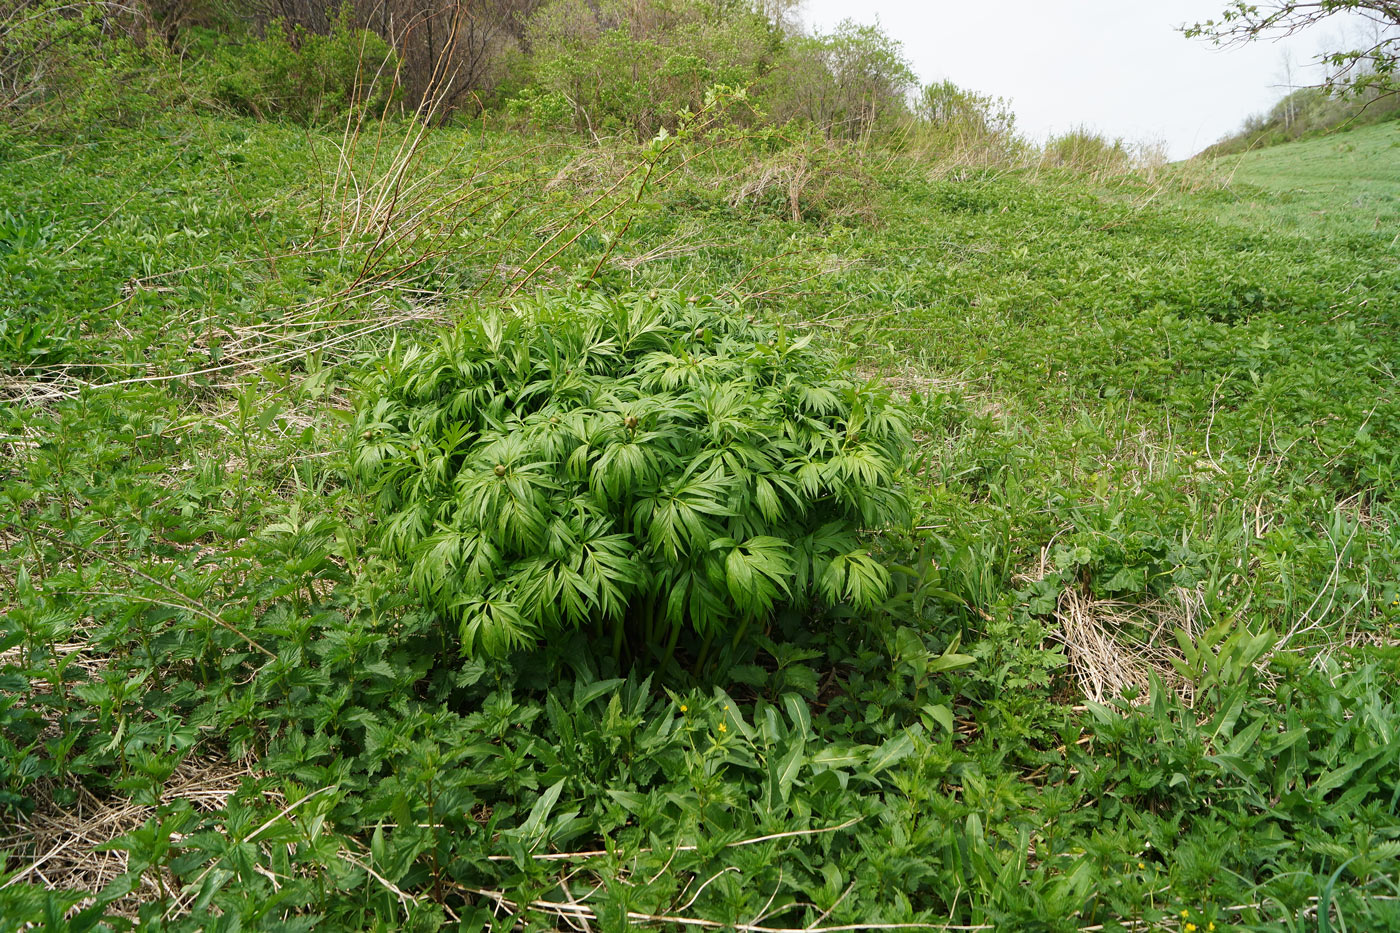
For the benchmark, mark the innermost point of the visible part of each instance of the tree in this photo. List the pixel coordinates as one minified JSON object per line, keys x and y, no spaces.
{"x":1290,"y":102}
{"x":450,"y":52}
{"x":948,"y":106}
{"x":632,"y":65}
{"x":847,"y":82}
{"x":1369,"y":68}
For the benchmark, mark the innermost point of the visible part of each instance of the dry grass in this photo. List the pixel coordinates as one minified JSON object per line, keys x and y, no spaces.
{"x":905,"y":379}
{"x":62,"y":847}
{"x":312,"y":330}
{"x":591,"y":172}
{"x":37,"y":386}
{"x":808,"y":181}
{"x":1114,"y":646}
{"x":686,"y":243}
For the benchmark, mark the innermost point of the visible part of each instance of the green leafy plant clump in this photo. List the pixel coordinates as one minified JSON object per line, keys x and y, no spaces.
{"x":642,"y":467}
{"x":299,"y":75}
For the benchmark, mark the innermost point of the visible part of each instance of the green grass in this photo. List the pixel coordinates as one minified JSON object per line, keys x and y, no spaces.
{"x":1347,"y":184}
{"x":1159,"y":435}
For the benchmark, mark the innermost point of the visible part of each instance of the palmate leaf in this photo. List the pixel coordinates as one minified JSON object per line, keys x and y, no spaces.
{"x":437,"y":560}
{"x":452,"y":558}
{"x":509,"y":503}
{"x":737,"y":459}
{"x":491,"y":625}
{"x":609,"y":560}
{"x":680,"y":518}
{"x":756,"y":573}
{"x":628,"y":465}
{"x":372,"y":456}
{"x":664,"y":372}
{"x":857,"y":465}
{"x":402,"y":530}
{"x":813,"y":551}
{"x":728,"y":413}
{"x":775,"y":496}
{"x":638,"y":325}
{"x":854,"y":577}
{"x":812,"y":478}
{"x":692,"y":596}
{"x":813,"y":398}
{"x":552,"y":591}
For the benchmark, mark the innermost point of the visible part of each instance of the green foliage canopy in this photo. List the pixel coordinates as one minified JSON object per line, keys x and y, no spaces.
{"x":301,"y":75}
{"x":609,"y":66}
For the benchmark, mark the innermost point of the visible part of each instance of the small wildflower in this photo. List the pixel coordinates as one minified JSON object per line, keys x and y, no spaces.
{"x":1142,"y":864}
{"x":1190,"y":928}
{"x":1185,"y":914}
{"x":723,"y":727}
{"x":1211,"y":925}
{"x":684,"y":708}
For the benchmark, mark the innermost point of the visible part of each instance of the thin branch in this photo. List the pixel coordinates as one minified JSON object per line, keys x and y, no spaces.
{"x":578,"y":911}
{"x":595,"y":853}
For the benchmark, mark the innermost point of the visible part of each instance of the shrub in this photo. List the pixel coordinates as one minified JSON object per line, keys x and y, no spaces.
{"x":632,"y":67}
{"x":301,"y":75}
{"x":545,"y":110}
{"x":1083,"y":150}
{"x":850,"y":83}
{"x":642,"y":466}
{"x":78,"y":64}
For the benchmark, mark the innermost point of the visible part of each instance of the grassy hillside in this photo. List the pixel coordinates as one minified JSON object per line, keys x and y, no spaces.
{"x":1343,"y":184}
{"x":1137,"y":667}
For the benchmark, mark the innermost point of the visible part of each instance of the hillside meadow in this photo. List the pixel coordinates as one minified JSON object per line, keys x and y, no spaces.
{"x":1071,"y":603}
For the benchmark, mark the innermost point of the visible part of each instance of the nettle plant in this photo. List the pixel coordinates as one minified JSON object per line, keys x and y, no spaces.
{"x":639,"y":468}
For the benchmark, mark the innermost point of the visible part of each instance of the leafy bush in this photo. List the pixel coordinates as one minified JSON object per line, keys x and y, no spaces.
{"x":77,"y":64}
{"x":948,"y":106}
{"x":1083,"y":150}
{"x":543,"y":109}
{"x":301,"y":75}
{"x":850,"y":82}
{"x":641,"y":464}
{"x":636,"y":66}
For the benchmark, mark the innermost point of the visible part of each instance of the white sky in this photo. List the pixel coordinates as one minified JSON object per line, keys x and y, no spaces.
{"x":1115,"y":66}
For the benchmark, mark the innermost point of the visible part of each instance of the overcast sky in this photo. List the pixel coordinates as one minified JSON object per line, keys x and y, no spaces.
{"x":1116,"y":66}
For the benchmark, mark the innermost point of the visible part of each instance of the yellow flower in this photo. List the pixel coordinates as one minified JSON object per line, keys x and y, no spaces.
{"x":1142,"y":864}
{"x":684,"y":708}
{"x":723,"y":727}
{"x":1190,"y":928}
{"x":1185,"y":914}
{"x":1211,"y":925}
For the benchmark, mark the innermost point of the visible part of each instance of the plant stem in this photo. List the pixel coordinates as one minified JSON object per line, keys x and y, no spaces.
{"x":671,"y":646}
{"x":704,"y":654}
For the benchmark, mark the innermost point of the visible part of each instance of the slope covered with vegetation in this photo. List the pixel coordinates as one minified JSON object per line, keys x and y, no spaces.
{"x":1308,"y":113}
{"x":1356,"y":73}
{"x":345,"y":466}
